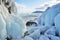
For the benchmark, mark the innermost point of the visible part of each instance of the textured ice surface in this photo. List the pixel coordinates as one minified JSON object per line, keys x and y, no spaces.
{"x":51,"y":29}
{"x":3,"y":33}
{"x":41,"y":19}
{"x":28,"y":38}
{"x":15,"y":27}
{"x":50,"y":15}
{"x":43,"y":37}
{"x":35,"y":34}
{"x":57,"y":23}
{"x":11,"y":24}
{"x":2,"y":28}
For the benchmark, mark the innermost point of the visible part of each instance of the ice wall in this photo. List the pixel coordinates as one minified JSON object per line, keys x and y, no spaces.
{"x":57,"y":23}
{"x":11,"y":25}
{"x":49,"y":31}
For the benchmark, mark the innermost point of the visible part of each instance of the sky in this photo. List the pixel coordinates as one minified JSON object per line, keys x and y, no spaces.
{"x":32,"y":3}
{"x":27,"y":6}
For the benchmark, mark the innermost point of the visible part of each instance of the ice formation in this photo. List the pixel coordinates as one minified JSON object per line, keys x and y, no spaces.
{"x":3,"y":33}
{"x":50,"y":29}
{"x":50,"y":15}
{"x":13,"y":28}
{"x":57,"y":23}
